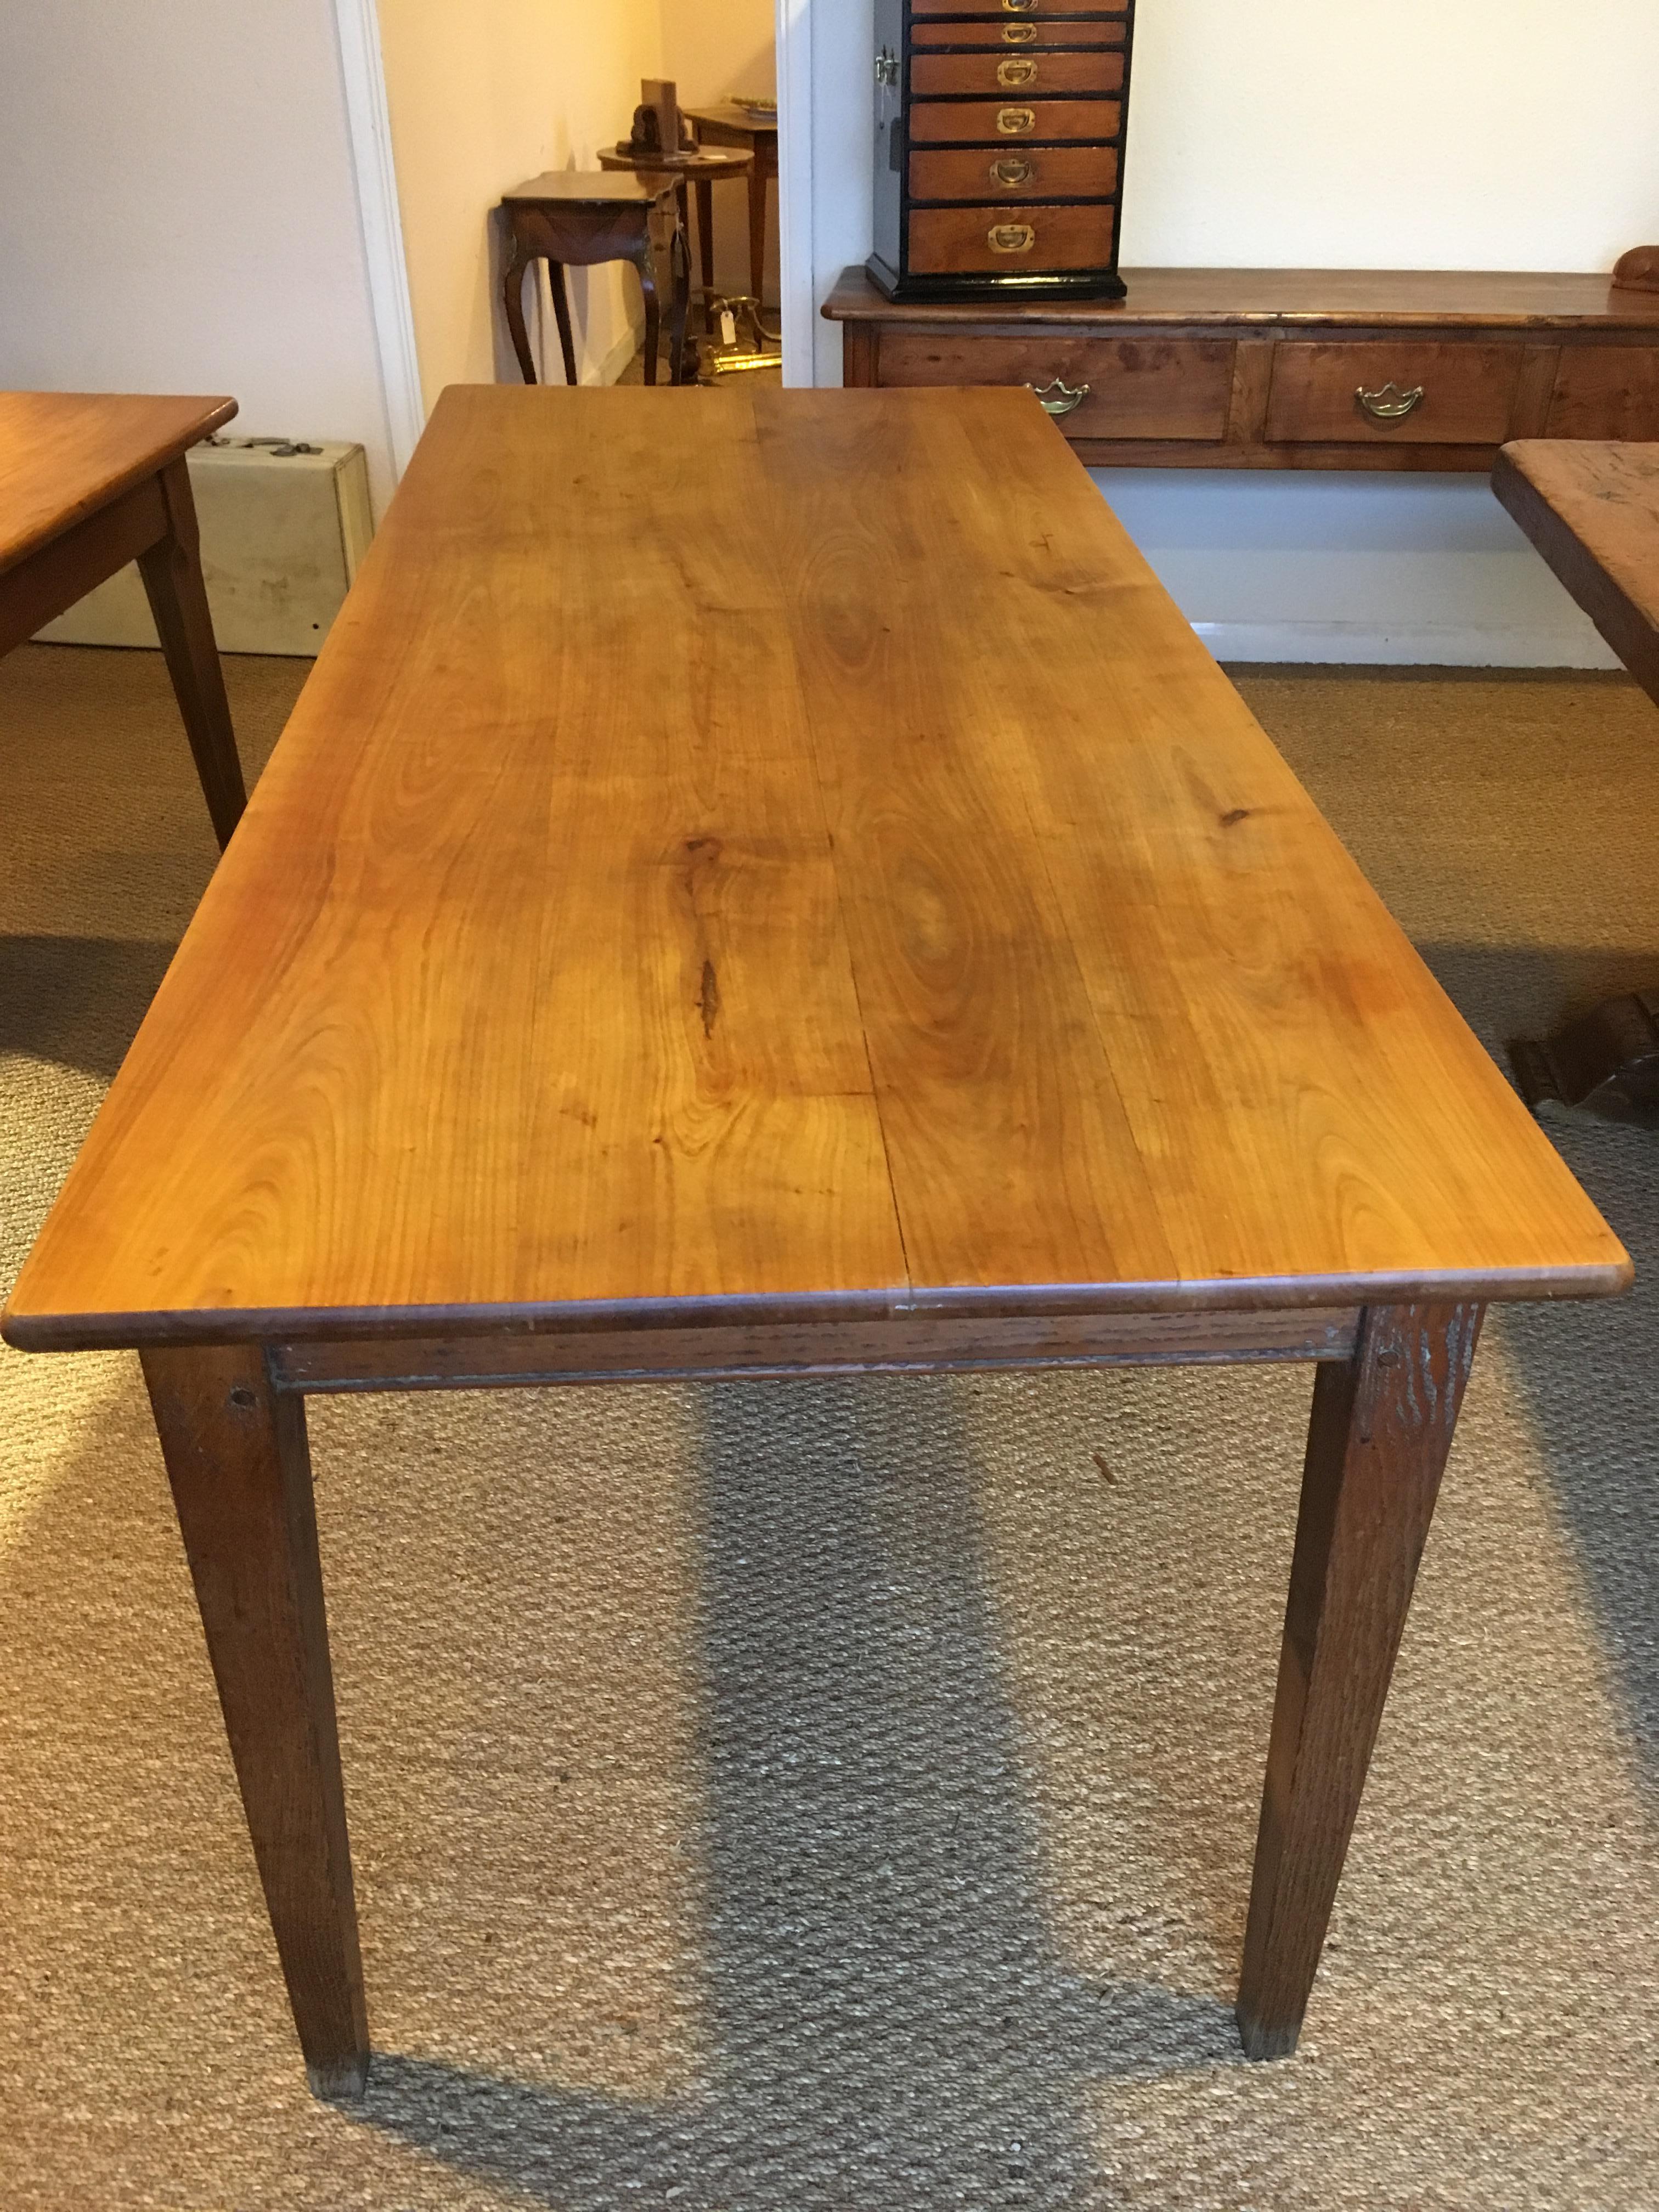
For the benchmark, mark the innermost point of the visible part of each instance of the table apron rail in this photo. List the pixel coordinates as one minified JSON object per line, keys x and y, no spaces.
{"x":921,"y":1345}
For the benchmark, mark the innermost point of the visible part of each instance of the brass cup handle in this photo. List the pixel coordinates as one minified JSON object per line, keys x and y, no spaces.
{"x":1019,"y":34}
{"x":1010,"y":238}
{"x":1016,"y":122}
{"x":1019,"y":7}
{"x":1390,"y":404}
{"x":1059,"y":398}
{"x":1012,"y":171}
{"x":1016,"y":70}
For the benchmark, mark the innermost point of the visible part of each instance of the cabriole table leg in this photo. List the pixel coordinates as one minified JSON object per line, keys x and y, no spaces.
{"x":1382,"y":1428}
{"x":241,"y":1473}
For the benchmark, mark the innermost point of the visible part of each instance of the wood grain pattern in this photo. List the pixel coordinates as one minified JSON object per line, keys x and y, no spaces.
{"x":1031,"y":174}
{"x":241,"y":1473}
{"x":1382,"y":1428}
{"x":1012,"y":34}
{"x":947,"y":931}
{"x":989,"y":122}
{"x":1592,"y":510}
{"x":65,"y":454}
{"x":1012,"y":76}
{"x":1606,"y":392}
{"x":974,"y":238}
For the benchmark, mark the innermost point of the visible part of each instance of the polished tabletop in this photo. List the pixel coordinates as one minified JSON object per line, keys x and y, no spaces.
{"x":1592,"y":510}
{"x":782,"y":854}
{"x":65,"y":454}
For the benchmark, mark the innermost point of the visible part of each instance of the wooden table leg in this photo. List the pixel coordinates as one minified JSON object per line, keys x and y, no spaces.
{"x":513,"y":299}
{"x":560,"y":288}
{"x":645,"y":262}
{"x":236,"y":1458}
{"x":706,"y":234}
{"x":1382,"y":1428}
{"x":679,"y":258}
{"x":757,"y":234}
{"x":172,"y":570}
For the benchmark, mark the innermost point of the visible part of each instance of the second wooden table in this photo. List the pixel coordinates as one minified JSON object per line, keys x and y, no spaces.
{"x":936,"y":967}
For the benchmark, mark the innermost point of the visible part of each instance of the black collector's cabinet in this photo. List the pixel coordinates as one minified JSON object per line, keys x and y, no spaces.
{"x":1000,"y":130}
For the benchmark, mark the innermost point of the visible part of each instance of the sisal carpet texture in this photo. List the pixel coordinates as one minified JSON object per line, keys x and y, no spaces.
{"x":841,"y":1797}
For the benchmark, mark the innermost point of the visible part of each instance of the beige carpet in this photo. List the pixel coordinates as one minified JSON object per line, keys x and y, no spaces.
{"x":843,"y":1796}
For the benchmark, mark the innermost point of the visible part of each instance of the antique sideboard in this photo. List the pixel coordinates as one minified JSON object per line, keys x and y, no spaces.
{"x":1284,"y":368}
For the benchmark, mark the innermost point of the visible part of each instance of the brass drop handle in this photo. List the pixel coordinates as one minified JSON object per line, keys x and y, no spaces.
{"x":1012,"y":171}
{"x":1010,"y":238}
{"x":1016,"y":122}
{"x":1059,"y":398}
{"x":1016,"y":70}
{"x":1390,"y":404}
{"x":1019,"y":34}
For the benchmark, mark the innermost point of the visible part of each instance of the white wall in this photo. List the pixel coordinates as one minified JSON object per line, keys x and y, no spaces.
{"x":712,"y":48}
{"x":178,"y":212}
{"x":1514,"y":134}
{"x":483,"y":96}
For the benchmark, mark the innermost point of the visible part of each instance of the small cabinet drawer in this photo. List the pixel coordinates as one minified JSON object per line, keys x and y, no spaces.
{"x":1605,"y":392}
{"x":1124,"y":388}
{"x":1019,"y":34}
{"x":999,"y":241}
{"x":975,"y":123}
{"x":1016,"y":11}
{"x":1040,"y":172}
{"x":1016,"y":76}
{"x":1459,"y":393}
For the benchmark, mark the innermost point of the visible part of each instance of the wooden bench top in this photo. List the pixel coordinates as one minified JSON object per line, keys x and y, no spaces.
{"x":782,"y":854}
{"x":1593,"y":513}
{"x":65,"y":454}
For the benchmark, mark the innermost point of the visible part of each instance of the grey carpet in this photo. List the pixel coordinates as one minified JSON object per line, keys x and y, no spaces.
{"x":842,"y":1796}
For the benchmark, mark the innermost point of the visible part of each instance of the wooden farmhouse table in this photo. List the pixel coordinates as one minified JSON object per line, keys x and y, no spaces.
{"x":1593,"y":512}
{"x":918,"y":958}
{"x":89,"y":481}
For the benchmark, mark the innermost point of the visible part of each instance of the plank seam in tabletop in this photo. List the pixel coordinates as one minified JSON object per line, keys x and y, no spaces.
{"x":823,"y":879}
{"x":34,"y":425}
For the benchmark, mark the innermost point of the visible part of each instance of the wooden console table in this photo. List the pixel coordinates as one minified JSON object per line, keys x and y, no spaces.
{"x":1288,"y":368}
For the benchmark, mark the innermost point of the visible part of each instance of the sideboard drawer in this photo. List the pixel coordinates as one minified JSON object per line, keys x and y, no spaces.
{"x":1453,"y":394}
{"x":1003,"y":240}
{"x":1605,"y":392}
{"x":1016,"y":75}
{"x":1009,"y":120}
{"x":1036,"y":173}
{"x":1136,"y":387}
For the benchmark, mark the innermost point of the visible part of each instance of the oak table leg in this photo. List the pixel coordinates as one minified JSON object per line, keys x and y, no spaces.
{"x":236,"y":1458}
{"x":1381,"y":1431}
{"x":172,"y":570}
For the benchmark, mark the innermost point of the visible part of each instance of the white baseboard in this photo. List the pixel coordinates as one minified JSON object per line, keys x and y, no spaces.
{"x":1361,"y":644}
{"x":619,"y":356}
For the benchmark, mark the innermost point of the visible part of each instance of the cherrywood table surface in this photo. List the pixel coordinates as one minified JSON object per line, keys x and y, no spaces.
{"x":1443,"y":298}
{"x":783,"y":854}
{"x":1593,"y":512}
{"x":64,"y":454}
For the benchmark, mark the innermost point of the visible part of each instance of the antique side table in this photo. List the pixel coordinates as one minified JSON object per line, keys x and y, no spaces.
{"x":727,"y":124}
{"x":569,"y":218}
{"x":705,"y":169}
{"x":89,"y":481}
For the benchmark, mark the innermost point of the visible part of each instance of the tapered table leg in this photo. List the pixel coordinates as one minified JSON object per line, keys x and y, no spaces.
{"x":172,"y":570}
{"x":236,"y":1458}
{"x":1376,"y":1448}
{"x":517,"y":261}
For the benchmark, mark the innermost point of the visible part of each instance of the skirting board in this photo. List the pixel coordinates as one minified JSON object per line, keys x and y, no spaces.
{"x":1362,"y":644}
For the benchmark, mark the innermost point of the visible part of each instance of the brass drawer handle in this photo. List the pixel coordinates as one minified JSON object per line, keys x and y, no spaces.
{"x":1019,"y":69}
{"x":1012,"y":171}
{"x":1010,"y":238}
{"x":1059,"y":398}
{"x":1019,"y":34}
{"x":1016,"y":122}
{"x":1019,"y":7}
{"x":1390,"y":404}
